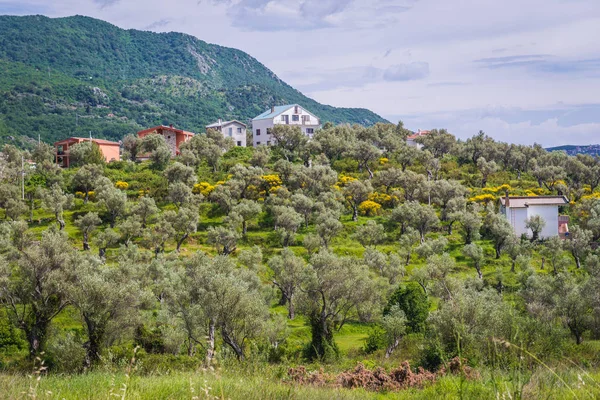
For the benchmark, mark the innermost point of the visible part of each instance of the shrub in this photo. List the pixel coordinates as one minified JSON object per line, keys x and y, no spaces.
{"x":369,"y":208}
{"x":411,"y":299}
{"x":122,"y":185}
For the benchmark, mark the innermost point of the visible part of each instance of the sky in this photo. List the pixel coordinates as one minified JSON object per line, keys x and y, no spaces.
{"x":523,"y":71}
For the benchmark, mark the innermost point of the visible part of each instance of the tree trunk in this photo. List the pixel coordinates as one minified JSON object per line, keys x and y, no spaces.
{"x":479,"y":273}
{"x":543,"y":262}
{"x":513,"y":265}
{"x":244,"y":227}
{"x":354,"y":212}
{"x":86,"y":245}
{"x":392,"y":347}
{"x":498,"y":251}
{"x":61,"y":222}
{"x":577,"y":261}
{"x":180,"y":241}
{"x":102,"y":253}
{"x":36,"y":338}
{"x":210,"y":348}
{"x":450,"y":227}
{"x":291,"y":309}
{"x":94,"y":344}
{"x":227,"y":339}
{"x":370,"y":172}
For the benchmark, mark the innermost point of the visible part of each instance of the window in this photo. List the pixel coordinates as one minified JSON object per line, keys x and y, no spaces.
{"x":305,"y":118}
{"x":239,"y":143}
{"x":268,"y":131}
{"x":285,"y":119}
{"x":230,"y":132}
{"x":239,"y":130}
{"x":258,"y":132}
{"x":310,"y":131}
{"x":268,"y":142}
{"x":258,"y":143}
{"x":295,"y":118}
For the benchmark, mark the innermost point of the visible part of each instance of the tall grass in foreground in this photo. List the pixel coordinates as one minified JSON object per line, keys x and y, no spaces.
{"x":211,"y":385}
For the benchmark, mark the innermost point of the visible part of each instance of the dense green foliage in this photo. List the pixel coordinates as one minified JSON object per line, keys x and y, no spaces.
{"x":69,"y":76}
{"x":263,"y":258}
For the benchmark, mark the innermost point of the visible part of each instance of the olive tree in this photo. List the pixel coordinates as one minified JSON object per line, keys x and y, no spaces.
{"x":31,"y":288}
{"x":288,"y":272}
{"x":333,"y":289}
{"x":107,"y":298}
{"x":145,"y":209}
{"x":475,"y":253}
{"x":87,"y":224}
{"x":536,"y":224}
{"x":57,"y":201}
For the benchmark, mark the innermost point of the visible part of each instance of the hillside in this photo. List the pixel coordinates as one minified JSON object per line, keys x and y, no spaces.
{"x":69,"y":76}
{"x":572,"y":150}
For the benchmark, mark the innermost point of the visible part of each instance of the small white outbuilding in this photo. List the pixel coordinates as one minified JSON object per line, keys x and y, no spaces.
{"x":518,"y":209}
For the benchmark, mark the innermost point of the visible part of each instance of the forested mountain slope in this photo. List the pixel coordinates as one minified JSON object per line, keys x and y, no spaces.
{"x":69,"y":76}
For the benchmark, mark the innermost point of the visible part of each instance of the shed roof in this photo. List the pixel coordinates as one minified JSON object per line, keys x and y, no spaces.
{"x":526,"y":201}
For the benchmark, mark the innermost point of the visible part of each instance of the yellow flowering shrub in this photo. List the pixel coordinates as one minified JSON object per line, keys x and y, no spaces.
{"x":91,"y":195}
{"x":593,"y":196}
{"x":272,"y":180}
{"x":382,"y":198}
{"x":501,"y":188}
{"x":121,"y":185}
{"x":383,"y":161}
{"x":79,"y":195}
{"x":143,"y":192}
{"x":203,"y":188}
{"x":483,"y":198}
{"x":369,"y":208}
{"x":343,"y":180}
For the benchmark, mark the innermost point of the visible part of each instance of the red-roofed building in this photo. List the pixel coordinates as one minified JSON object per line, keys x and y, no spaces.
{"x":173,"y":136}
{"x":110,"y":150}
{"x":411,"y":139}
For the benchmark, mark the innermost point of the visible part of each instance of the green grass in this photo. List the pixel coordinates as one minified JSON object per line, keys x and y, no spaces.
{"x":269,"y":384}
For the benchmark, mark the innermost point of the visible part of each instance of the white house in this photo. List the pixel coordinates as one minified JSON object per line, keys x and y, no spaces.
{"x":519,"y":209}
{"x":411,"y":139}
{"x":233,"y":129}
{"x":291,"y":114}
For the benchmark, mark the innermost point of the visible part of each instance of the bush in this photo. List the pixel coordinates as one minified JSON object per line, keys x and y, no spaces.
{"x":369,"y":208}
{"x":414,"y":302}
{"x":375,"y":341}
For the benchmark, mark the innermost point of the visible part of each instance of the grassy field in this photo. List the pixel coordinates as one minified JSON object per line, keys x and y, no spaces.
{"x":267,"y":385}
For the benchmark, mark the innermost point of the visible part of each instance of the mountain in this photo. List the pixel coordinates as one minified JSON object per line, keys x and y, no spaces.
{"x":592,"y":149}
{"x":70,"y":76}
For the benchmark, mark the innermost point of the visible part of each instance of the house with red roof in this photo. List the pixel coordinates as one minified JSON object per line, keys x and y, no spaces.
{"x":411,"y":140}
{"x":173,"y":136}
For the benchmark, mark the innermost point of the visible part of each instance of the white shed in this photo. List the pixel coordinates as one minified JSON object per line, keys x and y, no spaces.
{"x":518,"y":209}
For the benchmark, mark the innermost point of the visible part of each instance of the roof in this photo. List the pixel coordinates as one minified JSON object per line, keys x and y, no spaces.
{"x":417,"y":134}
{"x":79,"y":140}
{"x":526,"y":201}
{"x":223,"y":123}
{"x":171,"y":128}
{"x":275,"y":111}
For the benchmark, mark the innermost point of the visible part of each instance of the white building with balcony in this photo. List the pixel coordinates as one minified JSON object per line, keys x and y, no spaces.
{"x":292,"y":114}
{"x":232,"y":129}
